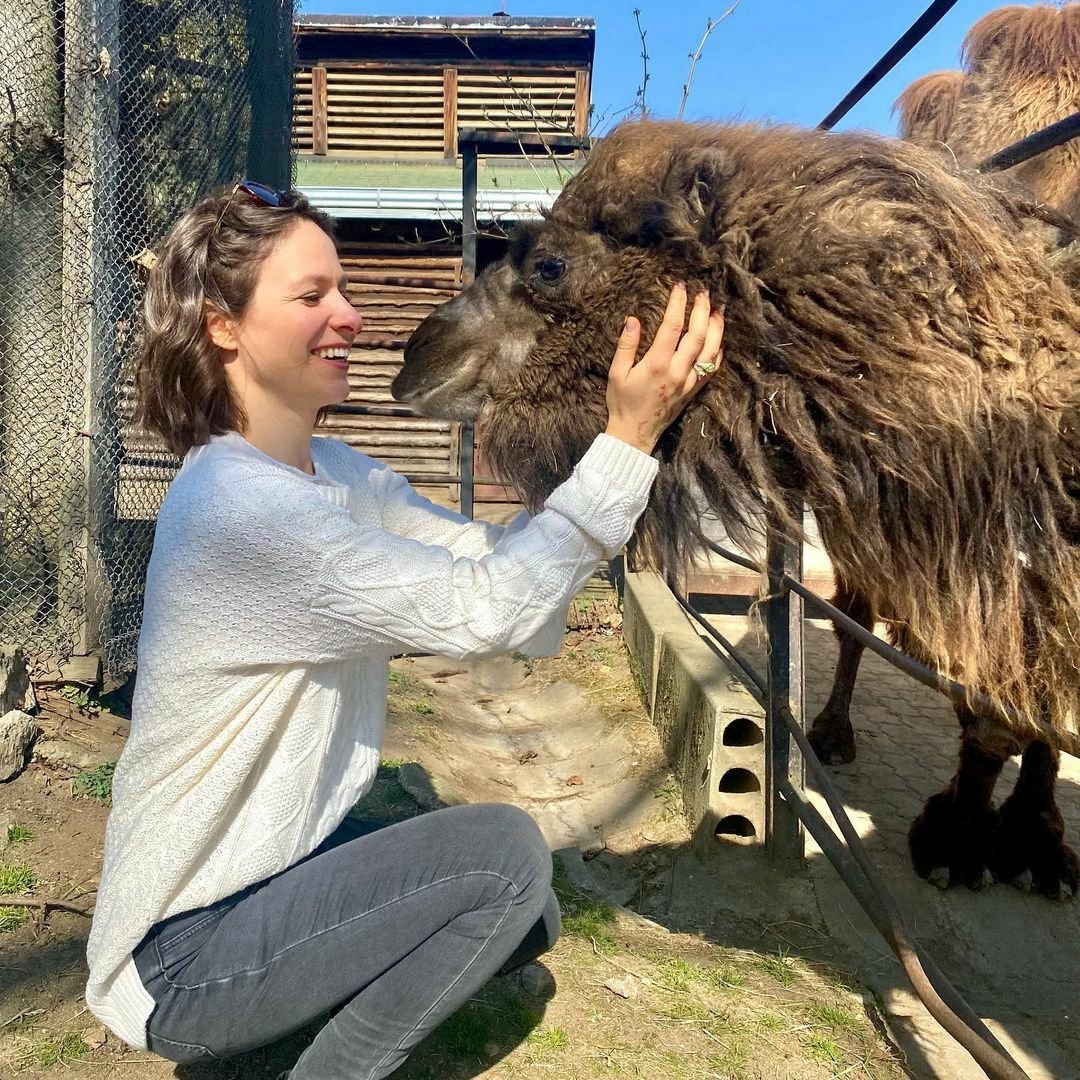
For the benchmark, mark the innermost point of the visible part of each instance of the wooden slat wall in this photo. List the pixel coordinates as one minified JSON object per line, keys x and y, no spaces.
{"x":407,"y":444}
{"x":384,"y":112}
{"x":415,"y":112}
{"x":302,"y":130}
{"x":520,"y":101}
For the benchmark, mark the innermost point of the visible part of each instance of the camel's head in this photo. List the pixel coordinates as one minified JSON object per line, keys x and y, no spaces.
{"x":525,"y":350}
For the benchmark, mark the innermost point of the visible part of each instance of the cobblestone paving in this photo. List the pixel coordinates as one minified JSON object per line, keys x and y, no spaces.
{"x":1014,"y":956}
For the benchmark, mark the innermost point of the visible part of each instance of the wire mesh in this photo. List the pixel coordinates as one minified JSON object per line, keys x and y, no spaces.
{"x":115,"y":115}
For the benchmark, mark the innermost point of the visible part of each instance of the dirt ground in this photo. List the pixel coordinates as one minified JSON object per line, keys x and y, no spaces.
{"x":619,"y":995}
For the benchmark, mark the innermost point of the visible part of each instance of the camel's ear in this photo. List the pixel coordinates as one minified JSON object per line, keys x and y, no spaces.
{"x":684,"y":214}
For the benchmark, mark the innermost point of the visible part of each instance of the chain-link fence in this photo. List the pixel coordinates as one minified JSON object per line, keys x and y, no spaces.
{"x":114,"y":116}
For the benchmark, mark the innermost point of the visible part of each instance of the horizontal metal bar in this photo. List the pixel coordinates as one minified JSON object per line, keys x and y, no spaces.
{"x":956,"y":692}
{"x":529,"y":140}
{"x":349,"y":408}
{"x":1032,"y":145}
{"x":447,"y":478}
{"x":380,"y":343}
{"x":437,"y":284}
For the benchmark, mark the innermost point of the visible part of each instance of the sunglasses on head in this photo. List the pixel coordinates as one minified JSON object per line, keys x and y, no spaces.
{"x":260,"y":194}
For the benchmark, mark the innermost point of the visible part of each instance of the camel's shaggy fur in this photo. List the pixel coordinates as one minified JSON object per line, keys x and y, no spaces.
{"x":928,"y":106}
{"x":1021,"y":74}
{"x":897,"y":350}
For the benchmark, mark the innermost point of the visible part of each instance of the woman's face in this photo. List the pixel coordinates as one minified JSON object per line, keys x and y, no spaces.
{"x":291,"y":346}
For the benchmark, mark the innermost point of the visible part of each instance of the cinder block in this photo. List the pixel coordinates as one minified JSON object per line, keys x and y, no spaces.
{"x":711,"y":728}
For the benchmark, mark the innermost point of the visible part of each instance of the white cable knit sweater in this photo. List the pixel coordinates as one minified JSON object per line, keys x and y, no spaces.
{"x":274,"y":602}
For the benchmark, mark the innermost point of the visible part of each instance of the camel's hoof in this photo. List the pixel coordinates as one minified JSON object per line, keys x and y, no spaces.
{"x":833,"y":739}
{"x":950,"y":843}
{"x":939,"y":877}
{"x":1030,"y":845}
{"x":1023,"y":880}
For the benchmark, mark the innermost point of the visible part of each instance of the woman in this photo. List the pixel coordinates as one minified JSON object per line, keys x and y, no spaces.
{"x":236,"y":901}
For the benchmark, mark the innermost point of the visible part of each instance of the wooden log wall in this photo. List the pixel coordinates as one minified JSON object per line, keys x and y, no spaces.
{"x":393,"y":289}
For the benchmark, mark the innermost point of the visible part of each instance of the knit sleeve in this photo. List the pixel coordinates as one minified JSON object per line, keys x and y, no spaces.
{"x":406,"y":512}
{"x":316,"y":584}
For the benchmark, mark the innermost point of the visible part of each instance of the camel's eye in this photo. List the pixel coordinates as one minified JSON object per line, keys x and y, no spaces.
{"x":550,"y":270}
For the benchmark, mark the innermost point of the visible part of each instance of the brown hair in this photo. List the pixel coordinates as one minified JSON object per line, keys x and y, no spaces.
{"x":212,"y":255}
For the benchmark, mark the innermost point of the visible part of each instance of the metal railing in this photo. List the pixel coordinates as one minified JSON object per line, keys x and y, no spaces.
{"x":788,"y":753}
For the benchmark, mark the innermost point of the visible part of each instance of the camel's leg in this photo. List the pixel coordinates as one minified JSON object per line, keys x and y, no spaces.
{"x":831,"y":734}
{"x":1029,"y":848}
{"x":951,"y":841}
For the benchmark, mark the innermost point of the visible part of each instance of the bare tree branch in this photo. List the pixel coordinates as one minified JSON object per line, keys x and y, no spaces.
{"x":43,"y":904}
{"x":695,"y":56}
{"x":639,"y":98}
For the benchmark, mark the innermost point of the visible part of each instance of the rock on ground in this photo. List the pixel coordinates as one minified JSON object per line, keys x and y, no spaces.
{"x":17,"y":731}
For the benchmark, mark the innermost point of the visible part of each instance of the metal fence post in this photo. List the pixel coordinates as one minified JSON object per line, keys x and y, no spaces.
{"x":784,"y":613}
{"x":468,"y":273}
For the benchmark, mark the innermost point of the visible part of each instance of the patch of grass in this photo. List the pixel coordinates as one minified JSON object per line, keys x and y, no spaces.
{"x":685,"y":1008}
{"x":55,"y":1048}
{"x":463,"y":1036}
{"x":681,"y":975}
{"x":582,"y":916}
{"x":836,"y":1018}
{"x":728,"y":978}
{"x":548,"y":1040}
{"x":770,"y":1022}
{"x":670,"y":794}
{"x":18,"y":834}
{"x":492,"y":1023}
{"x":778,"y":967}
{"x":386,"y":801}
{"x":731,"y":1062}
{"x":15,"y":879}
{"x":94,"y":783}
{"x":824,"y":1049}
{"x":423,"y":707}
{"x":401,"y":680}
{"x":11,"y":918}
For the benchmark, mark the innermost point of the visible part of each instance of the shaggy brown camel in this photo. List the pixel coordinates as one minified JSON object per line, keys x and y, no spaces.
{"x":897,"y":352}
{"x":1021,"y":73}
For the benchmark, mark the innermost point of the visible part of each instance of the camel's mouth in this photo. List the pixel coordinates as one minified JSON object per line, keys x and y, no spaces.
{"x":445,"y":400}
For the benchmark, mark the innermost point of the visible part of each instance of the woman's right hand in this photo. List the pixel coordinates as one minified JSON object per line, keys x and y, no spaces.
{"x":645,"y":396}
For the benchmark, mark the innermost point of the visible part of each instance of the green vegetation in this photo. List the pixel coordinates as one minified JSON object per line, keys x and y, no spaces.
{"x":15,"y":879}
{"x":18,"y":834}
{"x":94,"y":783}
{"x":583,"y":917}
{"x":55,"y":1048}
{"x":11,"y":918}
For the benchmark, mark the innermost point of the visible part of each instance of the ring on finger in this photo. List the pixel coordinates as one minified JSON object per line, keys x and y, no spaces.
{"x":704,"y":368}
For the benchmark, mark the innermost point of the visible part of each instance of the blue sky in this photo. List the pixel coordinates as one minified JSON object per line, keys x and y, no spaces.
{"x":786,"y":60}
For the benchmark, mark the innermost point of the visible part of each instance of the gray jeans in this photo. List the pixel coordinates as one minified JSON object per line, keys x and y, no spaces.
{"x":394,"y":929}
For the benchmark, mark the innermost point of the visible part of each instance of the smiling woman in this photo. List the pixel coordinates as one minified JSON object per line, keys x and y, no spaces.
{"x":286,"y":571}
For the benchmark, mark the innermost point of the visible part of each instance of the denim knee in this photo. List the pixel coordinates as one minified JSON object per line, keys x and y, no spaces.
{"x":528,"y":852}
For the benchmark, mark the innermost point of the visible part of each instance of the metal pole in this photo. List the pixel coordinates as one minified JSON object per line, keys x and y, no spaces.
{"x":468,"y":273}
{"x":783,"y":761}
{"x":915,"y":33}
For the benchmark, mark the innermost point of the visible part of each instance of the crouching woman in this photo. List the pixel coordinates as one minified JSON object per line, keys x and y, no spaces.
{"x":237,"y":901}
